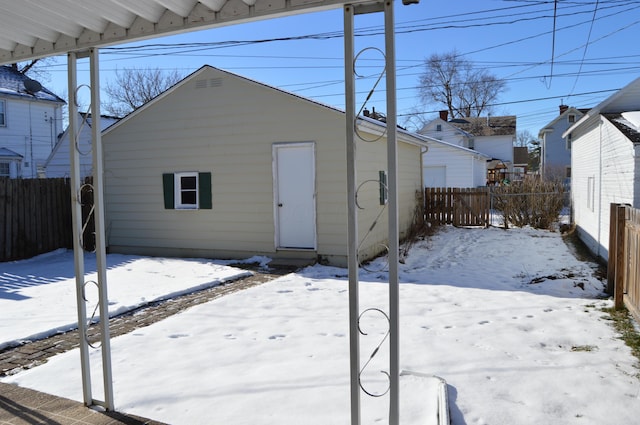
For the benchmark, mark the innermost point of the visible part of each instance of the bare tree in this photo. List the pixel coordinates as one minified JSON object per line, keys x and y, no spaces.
{"x":36,"y":68}
{"x":525,"y":138}
{"x":134,"y":87}
{"x":451,"y":81}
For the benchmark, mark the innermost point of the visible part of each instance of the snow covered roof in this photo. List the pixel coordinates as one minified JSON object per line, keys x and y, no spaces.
{"x":627,"y":127}
{"x":13,"y":83}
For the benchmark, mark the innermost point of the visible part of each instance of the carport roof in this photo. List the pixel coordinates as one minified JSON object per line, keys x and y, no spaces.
{"x":37,"y":28}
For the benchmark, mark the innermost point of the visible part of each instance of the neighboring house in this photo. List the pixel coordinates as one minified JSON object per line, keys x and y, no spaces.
{"x":30,"y":121}
{"x":555,"y":150}
{"x":222,"y":166}
{"x":492,"y":136}
{"x":58,"y":164}
{"x":449,"y":165}
{"x":605,"y":164}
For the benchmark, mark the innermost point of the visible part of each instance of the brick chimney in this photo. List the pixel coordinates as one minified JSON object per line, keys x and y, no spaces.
{"x":444,"y":115}
{"x":563,"y":108}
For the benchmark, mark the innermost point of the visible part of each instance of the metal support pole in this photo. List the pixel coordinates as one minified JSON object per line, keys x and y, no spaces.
{"x":101,"y":256}
{"x":394,"y":244}
{"x":352,"y":212}
{"x":78,"y":249}
{"x":76,"y":216}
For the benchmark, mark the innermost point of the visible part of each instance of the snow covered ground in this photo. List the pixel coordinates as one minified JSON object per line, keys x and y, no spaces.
{"x":510,"y":319}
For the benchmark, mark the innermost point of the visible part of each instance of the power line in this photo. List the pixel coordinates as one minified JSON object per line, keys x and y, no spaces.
{"x":586,"y":46}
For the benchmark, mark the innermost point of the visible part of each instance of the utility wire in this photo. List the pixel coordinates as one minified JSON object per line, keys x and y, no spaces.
{"x":586,"y":46}
{"x":553,"y":41}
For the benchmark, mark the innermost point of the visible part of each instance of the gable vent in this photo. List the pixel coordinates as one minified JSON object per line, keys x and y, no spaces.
{"x":211,"y":82}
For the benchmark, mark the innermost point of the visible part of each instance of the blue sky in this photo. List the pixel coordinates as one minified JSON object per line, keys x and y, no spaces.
{"x":572,"y":52}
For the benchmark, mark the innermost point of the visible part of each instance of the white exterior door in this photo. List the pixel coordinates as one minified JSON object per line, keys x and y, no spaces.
{"x":435,"y":176}
{"x":295,"y":195}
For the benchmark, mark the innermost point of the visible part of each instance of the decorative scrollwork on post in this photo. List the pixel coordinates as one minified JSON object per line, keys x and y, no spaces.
{"x":371,"y":91}
{"x":381,"y":186}
{"x":374,"y":353}
{"x":371,"y":227}
{"x":93,"y":318}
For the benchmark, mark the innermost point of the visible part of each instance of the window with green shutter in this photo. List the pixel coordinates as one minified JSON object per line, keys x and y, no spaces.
{"x":187,"y":190}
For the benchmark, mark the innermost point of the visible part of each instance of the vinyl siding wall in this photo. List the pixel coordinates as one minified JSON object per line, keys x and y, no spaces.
{"x":462,"y":169}
{"x":31,"y":131}
{"x":555,"y":155}
{"x":227,"y":128}
{"x":602,"y":173}
{"x":498,"y":147}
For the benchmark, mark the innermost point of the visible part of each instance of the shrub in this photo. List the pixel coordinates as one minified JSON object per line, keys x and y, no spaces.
{"x":531,"y":202}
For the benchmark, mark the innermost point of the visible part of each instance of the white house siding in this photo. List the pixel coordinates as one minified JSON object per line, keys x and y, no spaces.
{"x":227,"y":128}
{"x":498,"y":147}
{"x":447,"y":132}
{"x":58,"y":162}
{"x":556,"y":154}
{"x":31,"y":131}
{"x":479,"y":172}
{"x":602,"y":173}
{"x":462,"y":169}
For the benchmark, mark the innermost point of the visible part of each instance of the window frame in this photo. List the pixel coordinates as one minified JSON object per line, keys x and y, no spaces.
{"x":171,"y":196}
{"x":8,"y":165}
{"x":3,"y":113}
{"x":179,"y":190}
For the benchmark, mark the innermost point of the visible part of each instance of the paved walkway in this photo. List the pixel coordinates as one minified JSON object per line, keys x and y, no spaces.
{"x":24,"y":406}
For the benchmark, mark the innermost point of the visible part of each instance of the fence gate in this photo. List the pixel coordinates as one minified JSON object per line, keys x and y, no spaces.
{"x":457,"y":206}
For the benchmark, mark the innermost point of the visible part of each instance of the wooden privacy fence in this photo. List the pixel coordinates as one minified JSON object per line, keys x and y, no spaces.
{"x":457,"y":206}
{"x":35,"y":217}
{"x":623,"y":271}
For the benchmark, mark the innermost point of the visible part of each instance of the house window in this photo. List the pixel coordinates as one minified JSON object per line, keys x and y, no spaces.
{"x":5,"y":169}
{"x":438,"y":127}
{"x":3,"y":114}
{"x":569,"y":141}
{"x":571,"y":118}
{"x":187,"y":190}
{"x":186,"y":187}
{"x":568,"y":172}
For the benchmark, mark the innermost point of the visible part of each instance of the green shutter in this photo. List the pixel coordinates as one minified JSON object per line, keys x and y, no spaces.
{"x":204,"y":191}
{"x":382,"y":179}
{"x":168,"y":188}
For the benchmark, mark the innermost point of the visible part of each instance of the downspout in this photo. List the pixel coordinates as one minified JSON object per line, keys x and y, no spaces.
{"x":30,"y":141}
{"x":636,"y":175}
{"x":599,"y":215}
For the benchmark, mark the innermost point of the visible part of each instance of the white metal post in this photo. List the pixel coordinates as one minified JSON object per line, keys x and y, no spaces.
{"x":76,"y":216}
{"x":394,"y":244}
{"x":352,"y":212}
{"x":78,"y":249}
{"x":101,"y":256}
